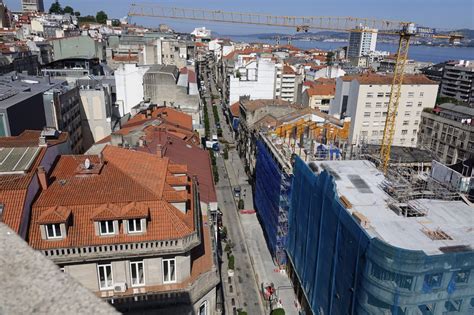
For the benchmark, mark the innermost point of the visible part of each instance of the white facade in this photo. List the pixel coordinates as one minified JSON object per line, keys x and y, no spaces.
{"x":129,"y":84}
{"x":201,"y":32}
{"x":362,"y":41}
{"x":256,"y":79}
{"x":219,"y":48}
{"x":366,"y":105}
{"x":330,"y":72}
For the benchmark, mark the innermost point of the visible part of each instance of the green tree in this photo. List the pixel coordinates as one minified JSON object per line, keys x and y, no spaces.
{"x":278,"y":311}
{"x":68,"y":9}
{"x":77,"y":13}
{"x":226,"y":152}
{"x":87,"y":18}
{"x":56,"y":8}
{"x":101,"y":17}
{"x":115,"y":22}
{"x":231,"y":263}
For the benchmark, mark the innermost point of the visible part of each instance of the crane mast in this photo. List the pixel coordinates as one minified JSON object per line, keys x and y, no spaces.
{"x":405,"y":30}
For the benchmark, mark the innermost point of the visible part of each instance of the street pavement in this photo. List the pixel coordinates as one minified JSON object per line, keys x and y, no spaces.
{"x":253,"y":261}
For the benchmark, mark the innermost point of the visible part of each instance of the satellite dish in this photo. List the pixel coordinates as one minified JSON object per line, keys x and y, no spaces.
{"x":87,"y":164}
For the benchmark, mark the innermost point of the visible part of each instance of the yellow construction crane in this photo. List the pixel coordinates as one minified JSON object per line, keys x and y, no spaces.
{"x":405,"y":30}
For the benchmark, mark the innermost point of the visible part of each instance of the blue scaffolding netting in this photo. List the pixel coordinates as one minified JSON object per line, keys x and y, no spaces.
{"x":341,"y":270}
{"x":272,"y":190}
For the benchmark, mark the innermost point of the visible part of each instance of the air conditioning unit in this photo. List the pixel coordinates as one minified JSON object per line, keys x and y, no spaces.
{"x":120,"y":287}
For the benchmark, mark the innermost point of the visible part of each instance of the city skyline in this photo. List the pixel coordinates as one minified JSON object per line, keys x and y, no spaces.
{"x":440,"y":14}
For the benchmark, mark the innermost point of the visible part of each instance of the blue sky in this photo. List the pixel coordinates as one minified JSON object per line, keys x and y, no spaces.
{"x":434,"y":13}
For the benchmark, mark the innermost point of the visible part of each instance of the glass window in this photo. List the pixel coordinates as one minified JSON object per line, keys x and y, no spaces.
{"x":404,"y":132}
{"x":3,"y":130}
{"x":203,"y":308}
{"x":368,"y":104}
{"x":367,"y":114}
{"x":461,"y":276}
{"x":365,"y":124}
{"x":411,"y":94}
{"x":453,"y":305}
{"x":378,"y":104}
{"x":380,"y":94}
{"x":433,"y":280}
{"x":407,"y":113}
{"x":370,"y":95}
{"x":406,"y":122}
{"x":421,"y":94}
{"x":414,"y":131}
{"x":107,"y":227}
{"x":137,"y":273}
{"x":375,"y":133}
{"x":135,"y":226}
{"x":53,"y":230}
{"x":105,"y":276}
{"x":402,"y":281}
{"x":420,"y":104}
{"x":409,"y":104}
{"x":169,"y":270}
{"x":387,"y":94}
{"x":377,"y":114}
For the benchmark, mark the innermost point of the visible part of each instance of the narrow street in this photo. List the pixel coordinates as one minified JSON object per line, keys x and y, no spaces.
{"x":253,"y":261}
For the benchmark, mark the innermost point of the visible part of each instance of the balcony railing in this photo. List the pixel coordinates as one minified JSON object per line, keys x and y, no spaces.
{"x":130,"y":249}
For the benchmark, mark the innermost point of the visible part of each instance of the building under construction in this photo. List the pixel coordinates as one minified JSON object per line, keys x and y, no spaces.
{"x":274,"y":171}
{"x":361,"y":242}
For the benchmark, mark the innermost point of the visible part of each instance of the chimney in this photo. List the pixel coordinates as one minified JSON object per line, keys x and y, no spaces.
{"x":42,"y":141}
{"x":42,"y":177}
{"x":160,"y":150}
{"x":116,"y":140}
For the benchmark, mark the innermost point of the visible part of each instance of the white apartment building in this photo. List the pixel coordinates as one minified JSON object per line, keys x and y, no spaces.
{"x":32,"y":6}
{"x":365,"y":100}
{"x":362,"y":41}
{"x":253,"y":76}
{"x":286,"y":85}
{"x":129,"y":84}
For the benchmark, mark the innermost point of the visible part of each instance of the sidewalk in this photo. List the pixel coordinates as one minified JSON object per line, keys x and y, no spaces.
{"x":262,"y":261}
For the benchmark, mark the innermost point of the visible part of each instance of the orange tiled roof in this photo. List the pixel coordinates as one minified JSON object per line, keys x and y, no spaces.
{"x":235,"y":109}
{"x":14,"y":188}
{"x":288,"y":70}
{"x":322,"y":89}
{"x":168,"y":114}
{"x":56,"y":214}
{"x":387,"y":79}
{"x":130,"y":184}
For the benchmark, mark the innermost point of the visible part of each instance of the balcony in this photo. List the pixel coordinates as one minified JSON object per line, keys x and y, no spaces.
{"x":100,"y":252}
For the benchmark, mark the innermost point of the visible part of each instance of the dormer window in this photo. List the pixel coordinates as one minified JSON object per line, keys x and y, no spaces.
{"x":107,"y":227}
{"x":54,"y":222}
{"x":135,"y":226}
{"x":53,"y":231}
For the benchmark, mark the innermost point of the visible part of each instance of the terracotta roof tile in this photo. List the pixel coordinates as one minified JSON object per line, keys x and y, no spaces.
{"x":131,"y":184}
{"x":387,"y":79}
{"x":288,"y":70}
{"x":56,"y":214}
{"x":14,"y":188}
{"x":235,"y":109}
{"x":322,"y":90}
